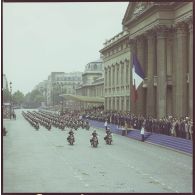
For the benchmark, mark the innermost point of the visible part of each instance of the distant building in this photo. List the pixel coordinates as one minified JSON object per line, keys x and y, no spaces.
{"x":92,"y":84}
{"x":61,"y":83}
{"x":42,"y":87}
{"x":5,"y":83}
{"x":7,"y":108}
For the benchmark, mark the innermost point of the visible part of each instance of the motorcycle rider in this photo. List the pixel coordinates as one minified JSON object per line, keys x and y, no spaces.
{"x":4,"y":131}
{"x":94,"y":134}
{"x":108,"y":132}
{"x":70,"y":133}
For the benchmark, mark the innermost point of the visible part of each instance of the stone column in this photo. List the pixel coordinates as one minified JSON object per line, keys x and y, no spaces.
{"x":128,"y":84}
{"x":181,"y":70}
{"x":116,"y":68}
{"x":190,"y":25}
{"x":115,"y":107}
{"x":120,"y":103}
{"x":111,"y":99}
{"x":125,"y":103}
{"x":119,"y":76}
{"x":105,"y":103}
{"x":106,"y":78}
{"x":125,"y":75}
{"x":111,"y":77}
{"x":150,"y":105}
{"x":132,"y":106}
{"x":161,"y":71}
{"x":174,"y":71}
{"x":122,"y":73}
{"x":140,"y":90}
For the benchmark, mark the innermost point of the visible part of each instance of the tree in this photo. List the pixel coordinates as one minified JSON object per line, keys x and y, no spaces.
{"x":18,"y":97}
{"x":6,"y":95}
{"x":34,"y":98}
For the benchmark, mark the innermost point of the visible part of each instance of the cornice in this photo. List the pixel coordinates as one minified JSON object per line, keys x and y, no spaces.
{"x":117,"y":54}
{"x":113,"y":44}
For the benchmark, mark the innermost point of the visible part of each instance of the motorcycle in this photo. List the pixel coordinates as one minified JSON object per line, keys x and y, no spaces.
{"x":4,"y":132}
{"x":87,"y":127}
{"x":94,"y":142}
{"x":36,"y":126}
{"x":108,"y":139}
{"x":71,"y":139}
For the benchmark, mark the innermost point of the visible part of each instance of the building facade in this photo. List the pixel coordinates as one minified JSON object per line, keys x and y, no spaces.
{"x":91,"y":79}
{"x":61,"y":83}
{"x":161,"y":36}
{"x":42,"y":88}
{"x":92,"y":84}
{"x":116,"y":57}
{"x":5,"y":83}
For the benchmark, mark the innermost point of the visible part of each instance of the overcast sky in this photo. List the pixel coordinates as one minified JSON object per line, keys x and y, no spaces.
{"x":39,"y":38}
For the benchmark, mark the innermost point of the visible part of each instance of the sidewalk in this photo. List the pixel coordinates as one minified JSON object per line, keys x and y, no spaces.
{"x":174,"y":143}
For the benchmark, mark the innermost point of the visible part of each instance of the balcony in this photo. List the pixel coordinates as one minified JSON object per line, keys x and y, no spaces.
{"x":155,"y":80}
{"x":169,"y":80}
{"x":145,"y":81}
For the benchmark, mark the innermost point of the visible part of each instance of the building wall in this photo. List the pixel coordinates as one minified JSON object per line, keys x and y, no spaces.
{"x":5,"y":83}
{"x":160,"y":34}
{"x":117,"y":73}
{"x":61,"y":83}
{"x":92,"y":82}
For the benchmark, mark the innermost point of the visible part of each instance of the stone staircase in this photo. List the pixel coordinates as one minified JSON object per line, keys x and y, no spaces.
{"x":176,"y":143}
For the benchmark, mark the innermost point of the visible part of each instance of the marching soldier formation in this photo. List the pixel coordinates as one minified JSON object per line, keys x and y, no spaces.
{"x":67,"y":120}
{"x":74,"y":120}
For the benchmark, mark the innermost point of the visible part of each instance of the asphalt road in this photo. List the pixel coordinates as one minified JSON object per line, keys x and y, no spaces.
{"x":43,"y":161}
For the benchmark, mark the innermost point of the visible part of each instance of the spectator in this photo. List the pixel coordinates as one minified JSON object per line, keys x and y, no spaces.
{"x":143,"y":131}
{"x":106,"y":124}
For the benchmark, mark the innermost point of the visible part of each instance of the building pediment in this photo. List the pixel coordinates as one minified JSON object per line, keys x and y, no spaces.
{"x":135,"y":9}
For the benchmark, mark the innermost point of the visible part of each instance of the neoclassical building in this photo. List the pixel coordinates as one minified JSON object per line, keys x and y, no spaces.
{"x":116,"y":57}
{"x":92,"y":85}
{"x":160,"y":34}
{"x":61,"y":83}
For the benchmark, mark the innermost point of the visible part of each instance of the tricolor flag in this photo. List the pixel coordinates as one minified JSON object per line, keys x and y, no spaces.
{"x":137,"y":76}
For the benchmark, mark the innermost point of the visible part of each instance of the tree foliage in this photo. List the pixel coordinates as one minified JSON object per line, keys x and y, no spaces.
{"x":6,"y":95}
{"x":34,"y":99}
{"x":18,"y":97}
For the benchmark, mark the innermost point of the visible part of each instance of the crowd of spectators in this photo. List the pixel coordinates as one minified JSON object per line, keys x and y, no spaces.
{"x":179,"y":127}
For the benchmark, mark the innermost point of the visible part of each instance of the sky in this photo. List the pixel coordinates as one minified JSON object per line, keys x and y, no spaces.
{"x":40,"y":38}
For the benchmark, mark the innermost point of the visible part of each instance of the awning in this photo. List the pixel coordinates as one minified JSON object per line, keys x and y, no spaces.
{"x":81,"y":98}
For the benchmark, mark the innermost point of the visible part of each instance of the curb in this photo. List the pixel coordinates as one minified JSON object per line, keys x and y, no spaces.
{"x":148,"y":142}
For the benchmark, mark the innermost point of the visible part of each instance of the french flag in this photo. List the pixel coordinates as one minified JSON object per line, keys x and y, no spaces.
{"x":137,"y":76}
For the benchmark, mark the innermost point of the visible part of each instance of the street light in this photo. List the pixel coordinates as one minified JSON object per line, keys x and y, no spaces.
{"x":10,"y":85}
{"x":53,"y":85}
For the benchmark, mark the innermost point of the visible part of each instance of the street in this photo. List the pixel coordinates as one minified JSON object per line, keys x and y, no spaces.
{"x":43,"y":161}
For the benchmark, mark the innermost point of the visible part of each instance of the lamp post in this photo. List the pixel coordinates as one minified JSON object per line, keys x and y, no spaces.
{"x":61,"y":90}
{"x":53,"y":85}
{"x":10,"y":85}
